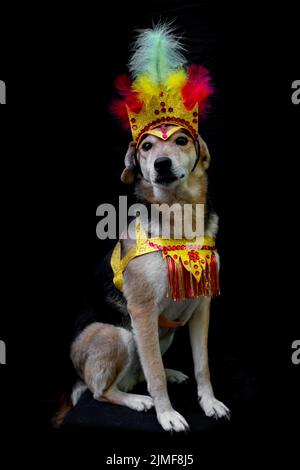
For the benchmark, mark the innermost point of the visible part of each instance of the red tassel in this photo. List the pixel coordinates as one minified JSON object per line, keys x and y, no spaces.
{"x":214,"y":276}
{"x":183,"y":285}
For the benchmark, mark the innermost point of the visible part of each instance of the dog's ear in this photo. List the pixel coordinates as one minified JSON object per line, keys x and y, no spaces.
{"x":204,"y":153}
{"x":129,"y":172}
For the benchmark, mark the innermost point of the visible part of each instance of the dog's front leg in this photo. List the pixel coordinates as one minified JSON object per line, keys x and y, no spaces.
{"x":145,"y":329}
{"x":198,"y":326}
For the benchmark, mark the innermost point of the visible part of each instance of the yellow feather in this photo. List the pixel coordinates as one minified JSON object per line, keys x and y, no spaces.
{"x":176,"y":80}
{"x":144,"y":85}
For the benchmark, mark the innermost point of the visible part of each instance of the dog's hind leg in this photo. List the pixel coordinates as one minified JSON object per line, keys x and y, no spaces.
{"x":103,"y":355}
{"x":175,"y":376}
{"x":125,"y":378}
{"x":131,"y":400}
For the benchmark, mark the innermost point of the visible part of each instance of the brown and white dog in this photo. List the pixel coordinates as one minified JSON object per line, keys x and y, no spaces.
{"x":114,"y":353}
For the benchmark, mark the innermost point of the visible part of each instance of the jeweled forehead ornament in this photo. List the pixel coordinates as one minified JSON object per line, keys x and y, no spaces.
{"x":163,"y":131}
{"x":161,"y":89}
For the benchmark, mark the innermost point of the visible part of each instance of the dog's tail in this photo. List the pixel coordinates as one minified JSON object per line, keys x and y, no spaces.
{"x":65,"y":406}
{"x":67,"y":402}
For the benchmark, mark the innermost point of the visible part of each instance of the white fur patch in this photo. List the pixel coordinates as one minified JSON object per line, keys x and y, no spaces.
{"x":78,"y":389}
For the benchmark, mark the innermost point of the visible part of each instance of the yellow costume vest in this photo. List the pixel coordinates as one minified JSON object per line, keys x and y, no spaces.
{"x":192,"y":264}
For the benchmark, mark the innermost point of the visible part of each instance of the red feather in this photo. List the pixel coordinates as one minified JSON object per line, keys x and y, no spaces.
{"x":198,"y":88}
{"x":119,"y":110}
{"x":130,"y":99}
{"x":133,"y":103}
{"x":123,"y":85}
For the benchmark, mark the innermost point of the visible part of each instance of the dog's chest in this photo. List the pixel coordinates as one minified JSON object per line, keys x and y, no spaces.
{"x":157,"y":276}
{"x":181,"y":310}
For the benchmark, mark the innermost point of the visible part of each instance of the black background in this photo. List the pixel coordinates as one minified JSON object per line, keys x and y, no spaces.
{"x":64,"y":155}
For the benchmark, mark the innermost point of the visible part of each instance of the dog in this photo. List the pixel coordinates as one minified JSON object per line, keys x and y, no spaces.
{"x":124,"y":345}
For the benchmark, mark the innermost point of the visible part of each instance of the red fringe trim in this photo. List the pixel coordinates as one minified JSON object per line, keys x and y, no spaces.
{"x":184,"y":285}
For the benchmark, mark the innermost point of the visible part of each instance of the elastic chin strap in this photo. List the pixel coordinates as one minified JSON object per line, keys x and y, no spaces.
{"x":135,"y":158}
{"x":137,"y":163}
{"x":138,"y":166}
{"x":197,"y":148}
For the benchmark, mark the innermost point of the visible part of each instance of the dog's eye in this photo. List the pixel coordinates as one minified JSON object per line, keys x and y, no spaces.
{"x":146,"y":146}
{"x":181,"y":140}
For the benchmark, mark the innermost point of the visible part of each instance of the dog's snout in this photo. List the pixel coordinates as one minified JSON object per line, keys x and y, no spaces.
{"x":162,"y":164}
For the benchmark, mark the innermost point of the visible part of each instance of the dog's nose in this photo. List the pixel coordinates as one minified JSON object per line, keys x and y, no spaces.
{"x":162,"y":164}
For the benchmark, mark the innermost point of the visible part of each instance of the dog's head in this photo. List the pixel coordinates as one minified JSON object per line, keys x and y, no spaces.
{"x":165,"y":163}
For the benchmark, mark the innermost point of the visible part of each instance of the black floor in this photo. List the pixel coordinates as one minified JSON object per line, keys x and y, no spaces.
{"x":235,"y":384}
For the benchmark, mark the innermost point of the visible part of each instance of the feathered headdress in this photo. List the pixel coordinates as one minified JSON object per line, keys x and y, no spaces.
{"x":162,"y":89}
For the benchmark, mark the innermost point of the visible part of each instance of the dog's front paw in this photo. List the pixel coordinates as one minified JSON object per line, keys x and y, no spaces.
{"x":175,"y":376}
{"x":172,"y":421}
{"x":213,"y":407}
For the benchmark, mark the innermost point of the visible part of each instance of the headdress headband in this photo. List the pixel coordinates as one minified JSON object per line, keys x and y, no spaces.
{"x":161,"y":90}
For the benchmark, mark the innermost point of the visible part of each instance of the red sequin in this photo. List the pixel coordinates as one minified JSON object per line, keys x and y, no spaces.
{"x":193,"y":255}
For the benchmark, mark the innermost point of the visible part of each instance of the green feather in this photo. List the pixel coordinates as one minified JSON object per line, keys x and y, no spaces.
{"x":157,"y":52}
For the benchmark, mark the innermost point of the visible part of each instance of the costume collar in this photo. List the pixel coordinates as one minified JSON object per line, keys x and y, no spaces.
{"x":192,"y":264}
